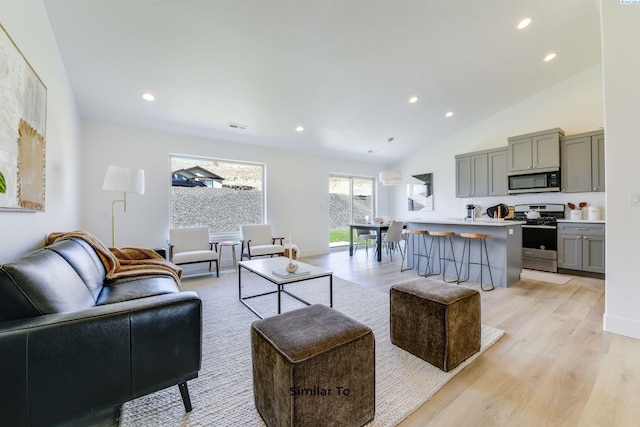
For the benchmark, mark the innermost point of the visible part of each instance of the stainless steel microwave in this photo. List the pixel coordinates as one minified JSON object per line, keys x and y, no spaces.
{"x":536,"y":182}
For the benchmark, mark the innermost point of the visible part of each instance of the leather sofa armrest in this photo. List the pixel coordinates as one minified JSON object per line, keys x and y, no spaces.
{"x":60,"y":365}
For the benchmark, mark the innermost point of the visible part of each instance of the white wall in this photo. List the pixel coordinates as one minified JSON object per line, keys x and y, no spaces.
{"x":621,"y":68}
{"x":27,"y":24}
{"x":574,"y":105}
{"x":297,"y":185}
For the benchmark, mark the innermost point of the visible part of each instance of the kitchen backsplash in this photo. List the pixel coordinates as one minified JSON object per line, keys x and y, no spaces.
{"x":592,"y":199}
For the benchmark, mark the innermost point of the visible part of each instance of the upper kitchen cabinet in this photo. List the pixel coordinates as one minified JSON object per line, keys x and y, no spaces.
{"x":582,"y":166}
{"x":498,"y":181}
{"x":535,"y":152}
{"x":483,"y":173}
{"x":472,"y":175}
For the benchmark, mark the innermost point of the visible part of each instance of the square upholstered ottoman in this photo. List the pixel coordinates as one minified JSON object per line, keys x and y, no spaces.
{"x":436,"y":321}
{"x":313,"y":367}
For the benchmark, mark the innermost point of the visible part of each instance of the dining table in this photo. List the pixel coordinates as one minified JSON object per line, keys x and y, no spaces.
{"x":379,"y":228}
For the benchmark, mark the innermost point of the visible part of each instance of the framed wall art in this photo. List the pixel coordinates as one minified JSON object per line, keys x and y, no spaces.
{"x":420,"y":192}
{"x":23,"y":120}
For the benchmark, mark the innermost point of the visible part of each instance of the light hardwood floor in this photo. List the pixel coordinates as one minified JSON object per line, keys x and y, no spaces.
{"x":554,"y":365}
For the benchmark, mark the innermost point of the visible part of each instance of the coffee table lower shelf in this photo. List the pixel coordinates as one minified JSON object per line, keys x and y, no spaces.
{"x":264,"y":268}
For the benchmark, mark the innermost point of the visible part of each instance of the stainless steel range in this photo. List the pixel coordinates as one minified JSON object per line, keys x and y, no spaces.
{"x":539,"y":235}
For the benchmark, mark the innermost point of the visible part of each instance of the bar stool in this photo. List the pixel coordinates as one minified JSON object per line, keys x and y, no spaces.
{"x":411,"y":236}
{"x":440,"y":237}
{"x":482,"y":239}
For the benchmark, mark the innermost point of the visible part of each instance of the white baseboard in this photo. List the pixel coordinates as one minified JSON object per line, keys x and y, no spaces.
{"x":618,"y":325}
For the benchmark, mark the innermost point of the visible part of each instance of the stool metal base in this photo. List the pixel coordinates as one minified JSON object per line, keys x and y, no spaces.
{"x":466,"y":249}
{"x":442,"y":254}
{"x":413,"y":234}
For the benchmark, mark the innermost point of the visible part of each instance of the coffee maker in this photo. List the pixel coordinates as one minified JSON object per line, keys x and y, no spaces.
{"x":471,"y":212}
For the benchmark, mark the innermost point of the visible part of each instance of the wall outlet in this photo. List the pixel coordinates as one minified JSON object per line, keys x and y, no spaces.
{"x":634,"y":198}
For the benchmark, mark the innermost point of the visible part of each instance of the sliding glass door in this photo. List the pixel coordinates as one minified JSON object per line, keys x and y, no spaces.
{"x":351,"y":199}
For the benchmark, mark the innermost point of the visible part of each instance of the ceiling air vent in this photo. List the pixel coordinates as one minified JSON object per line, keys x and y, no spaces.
{"x":237,"y":126}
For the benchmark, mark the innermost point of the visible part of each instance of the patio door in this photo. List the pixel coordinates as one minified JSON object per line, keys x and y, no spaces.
{"x":351,"y":199}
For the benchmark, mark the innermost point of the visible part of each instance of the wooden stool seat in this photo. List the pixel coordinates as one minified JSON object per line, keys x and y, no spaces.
{"x":442,"y":233}
{"x":475,"y":235}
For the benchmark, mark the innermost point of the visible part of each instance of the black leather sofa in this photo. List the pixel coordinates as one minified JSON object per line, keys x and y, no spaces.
{"x":72,"y":343}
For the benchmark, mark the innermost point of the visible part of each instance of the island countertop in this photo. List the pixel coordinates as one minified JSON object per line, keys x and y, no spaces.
{"x":491,"y":222}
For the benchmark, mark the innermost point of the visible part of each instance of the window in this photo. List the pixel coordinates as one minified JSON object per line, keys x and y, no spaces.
{"x":220,"y":194}
{"x":351,"y":199}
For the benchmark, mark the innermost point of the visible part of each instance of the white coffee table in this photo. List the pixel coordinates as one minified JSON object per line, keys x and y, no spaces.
{"x":264,"y":268}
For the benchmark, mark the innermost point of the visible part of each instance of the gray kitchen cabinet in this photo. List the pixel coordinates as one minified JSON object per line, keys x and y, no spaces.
{"x":482,"y":173}
{"x":472,"y":175}
{"x":463,"y":176}
{"x":582,"y":162}
{"x":581,"y":246}
{"x":498,"y":181}
{"x":534,"y":152}
{"x":597,"y":161}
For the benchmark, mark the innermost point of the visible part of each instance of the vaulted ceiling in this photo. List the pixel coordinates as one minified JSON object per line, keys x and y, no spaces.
{"x":342,"y":69}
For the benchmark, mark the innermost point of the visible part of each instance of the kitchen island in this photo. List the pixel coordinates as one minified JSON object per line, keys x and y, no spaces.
{"x":504,"y":247}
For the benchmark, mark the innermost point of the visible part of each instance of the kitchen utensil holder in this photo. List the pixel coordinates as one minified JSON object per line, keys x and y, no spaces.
{"x":575,"y":215}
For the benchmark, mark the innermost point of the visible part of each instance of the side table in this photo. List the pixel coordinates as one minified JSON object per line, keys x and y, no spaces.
{"x":232,"y":244}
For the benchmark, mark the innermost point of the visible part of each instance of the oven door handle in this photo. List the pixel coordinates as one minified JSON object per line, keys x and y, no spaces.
{"x":548,"y":227}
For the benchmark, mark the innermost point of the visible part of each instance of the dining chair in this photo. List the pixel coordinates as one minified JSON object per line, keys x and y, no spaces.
{"x":365,"y":235}
{"x":393,"y":237}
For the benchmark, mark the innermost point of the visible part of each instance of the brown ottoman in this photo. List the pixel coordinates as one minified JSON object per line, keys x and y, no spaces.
{"x":313,"y":367}
{"x":438,"y":322}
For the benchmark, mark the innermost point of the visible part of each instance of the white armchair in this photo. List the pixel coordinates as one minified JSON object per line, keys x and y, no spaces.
{"x":190,"y":245}
{"x":258,"y":240}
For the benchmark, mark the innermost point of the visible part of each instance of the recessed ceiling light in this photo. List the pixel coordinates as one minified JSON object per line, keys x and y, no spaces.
{"x":299,"y":129}
{"x":148,"y":97}
{"x":524,"y":23}
{"x":449,"y":114}
{"x":413,"y":99}
{"x":550,"y":57}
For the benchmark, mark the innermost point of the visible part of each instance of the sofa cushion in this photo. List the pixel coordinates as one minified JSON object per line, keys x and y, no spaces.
{"x":43,"y":282}
{"x":136,"y":287}
{"x":85,"y":261}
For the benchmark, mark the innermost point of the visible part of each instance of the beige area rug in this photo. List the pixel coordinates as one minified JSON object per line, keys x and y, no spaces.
{"x":543,"y":276}
{"x":222,"y":394}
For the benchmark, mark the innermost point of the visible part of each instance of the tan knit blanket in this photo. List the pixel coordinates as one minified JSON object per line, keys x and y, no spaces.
{"x":124,"y":262}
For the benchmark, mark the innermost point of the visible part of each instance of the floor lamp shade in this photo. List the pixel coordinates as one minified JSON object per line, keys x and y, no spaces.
{"x":123,"y":179}
{"x":391,"y":177}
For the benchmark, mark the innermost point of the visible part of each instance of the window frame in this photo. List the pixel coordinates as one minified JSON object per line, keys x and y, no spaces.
{"x":220,"y":235}
{"x":351,"y":177}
